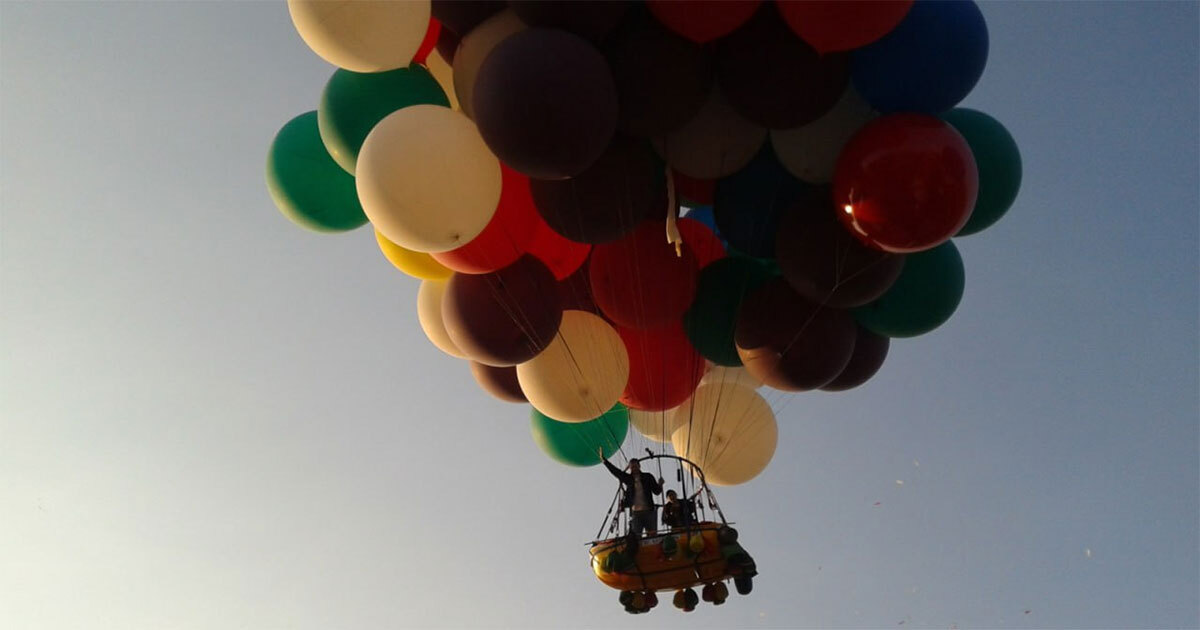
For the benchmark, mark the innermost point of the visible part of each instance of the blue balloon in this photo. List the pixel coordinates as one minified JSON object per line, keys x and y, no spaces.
{"x":928,"y":63}
{"x":748,"y":203}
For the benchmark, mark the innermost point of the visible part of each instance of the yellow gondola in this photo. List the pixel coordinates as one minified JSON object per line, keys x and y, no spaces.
{"x":704,"y":553}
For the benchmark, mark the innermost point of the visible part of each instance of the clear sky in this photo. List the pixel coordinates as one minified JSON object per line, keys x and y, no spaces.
{"x":210,"y":418}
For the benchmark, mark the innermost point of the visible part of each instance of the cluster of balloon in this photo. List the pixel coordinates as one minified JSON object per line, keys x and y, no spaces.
{"x":528,"y":160}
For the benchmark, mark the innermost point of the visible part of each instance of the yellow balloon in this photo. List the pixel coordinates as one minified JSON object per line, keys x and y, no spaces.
{"x":654,"y":425}
{"x":416,"y":264}
{"x":730,"y":376}
{"x":474,"y":48}
{"x":426,"y":180}
{"x":716,"y":142}
{"x":362,"y":35}
{"x":444,"y":75}
{"x":429,"y":313}
{"x":810,"y":151}
{"x":581,"y":374}
{"x":729,"y":431}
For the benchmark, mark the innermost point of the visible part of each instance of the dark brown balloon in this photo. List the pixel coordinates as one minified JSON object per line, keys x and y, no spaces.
{"x":790,"y":343}
{"x":592,"y":19}
{"x":545,"y":103}
{"x":624,"y":187}
{"x":575,"y":292}
{"x":869,"y":352}
{"x":505,"y":317}
{"x":461,"y":16}
{"x":825,"y":263}
{"x":662,"y":78}
{"x":500,"y":382}
{"x":447,"y":45}
{"x":772,"y":77}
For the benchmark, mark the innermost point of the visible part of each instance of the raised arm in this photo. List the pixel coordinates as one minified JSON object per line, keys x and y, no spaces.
{"x":616,"y":472}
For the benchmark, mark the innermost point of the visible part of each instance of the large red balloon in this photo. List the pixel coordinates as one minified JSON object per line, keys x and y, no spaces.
{"x":698,"y":191}
{"x":905,"y":183}
{"x":790,"y":343}
{"x":704,"y":242}
{"x":837,"y":25}
{"x":823,"y":262}
{"x":432,"y":34}
{"x":507,"y":235}
{"x":562,"y":255}
{"x":703,"y":20}
{"x":505,"y":317}
{"x":664,"y":368}
{"x":639,"y":282}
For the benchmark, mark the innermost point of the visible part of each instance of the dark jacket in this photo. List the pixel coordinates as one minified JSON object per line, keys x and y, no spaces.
{"x":648,"y":482}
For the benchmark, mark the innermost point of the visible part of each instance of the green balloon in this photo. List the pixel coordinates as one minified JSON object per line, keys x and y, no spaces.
{"x":923,"y":297}
{"x":711,"y":320}
{"x":306,"y":184}
{"x":353,"y":102}
{"x":998,"y":160}
{"x":576,"y":443}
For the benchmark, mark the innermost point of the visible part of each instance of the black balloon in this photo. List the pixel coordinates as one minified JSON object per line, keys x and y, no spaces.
{"x":500,"y":382}
{"x":592,"y":19}
{"x":791,"y":343}
{"x":749,"y":203}
{"x":869,"y":352}
{"x":623,"y":188}
{"x":447,"y":44}
{"x":662,"y":78}
{"x":461,"y":16}
{"x":505,"y":317}
{"x":545,"y":103}
{"x":825,"y":263}
{"x":774,"y":78}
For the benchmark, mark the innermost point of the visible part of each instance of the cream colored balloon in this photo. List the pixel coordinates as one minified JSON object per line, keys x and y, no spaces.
{"x":653,"y":425}
{"x":474,"y":48}
{"x":810,"y":152}
{"x":729,"y":431}
{"x":730,"y":376}
{"x":581,"y":374}
{"x":429,"y":313}
{"x":362,"y":35}
{"x":426,"y":180}
{"x":716,"y":142}
{"x":444,"y":75}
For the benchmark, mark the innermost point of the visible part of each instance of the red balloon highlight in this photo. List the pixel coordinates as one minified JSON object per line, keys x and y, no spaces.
{"x":639,"y":282}
{"x":703,"y":20}
{"x":506,"y":237}
{"x":664,"y":368}
{"x":562,"y":255}
{"x":905,"y":183}
{"x":705,"y":245}
{"x":430,"y":42}
{"x":836,"y":25}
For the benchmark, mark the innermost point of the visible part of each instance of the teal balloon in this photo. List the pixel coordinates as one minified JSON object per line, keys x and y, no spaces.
{"x":712,"y":318}
{"x":306,"y":184}
{"x":923,"y":297}
{"x":999,"y":163}
{"x":577,"y":443}
{"x":353,"y":102}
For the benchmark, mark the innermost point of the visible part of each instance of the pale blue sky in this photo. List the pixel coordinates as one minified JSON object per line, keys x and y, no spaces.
{"x":210,"y":418}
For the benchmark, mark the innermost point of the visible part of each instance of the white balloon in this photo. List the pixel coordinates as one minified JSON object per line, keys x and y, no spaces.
{"x":654,"y":425}
{"x":738,"y":376}
{"x":581,"y":374}
{"x":426,"y":180}
{"x":728,"y":431}
{"x":362,"y":35}
{"x":810,"y":152}
{"x":474,"y":48}
{"x":429,"y":314}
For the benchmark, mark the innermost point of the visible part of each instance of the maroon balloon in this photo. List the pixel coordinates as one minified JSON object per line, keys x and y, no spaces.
{"x":505,"y":317}
{"x":773,"y":78}
{"x":823,"y":262}
{"x":575,"y":291}
{"x":545,"y":103}
{"x":592,"y":19}
{"x":447,"y":44}
{"x":869,"y":352}
{"x":639,"y":282}
{"x":500,"y":382}
{"x":791,"y":343}
{"x":461,"y":16}
{"x":605,"y":202}
{"x":905,"y":183}
{"x":662,"y":78}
